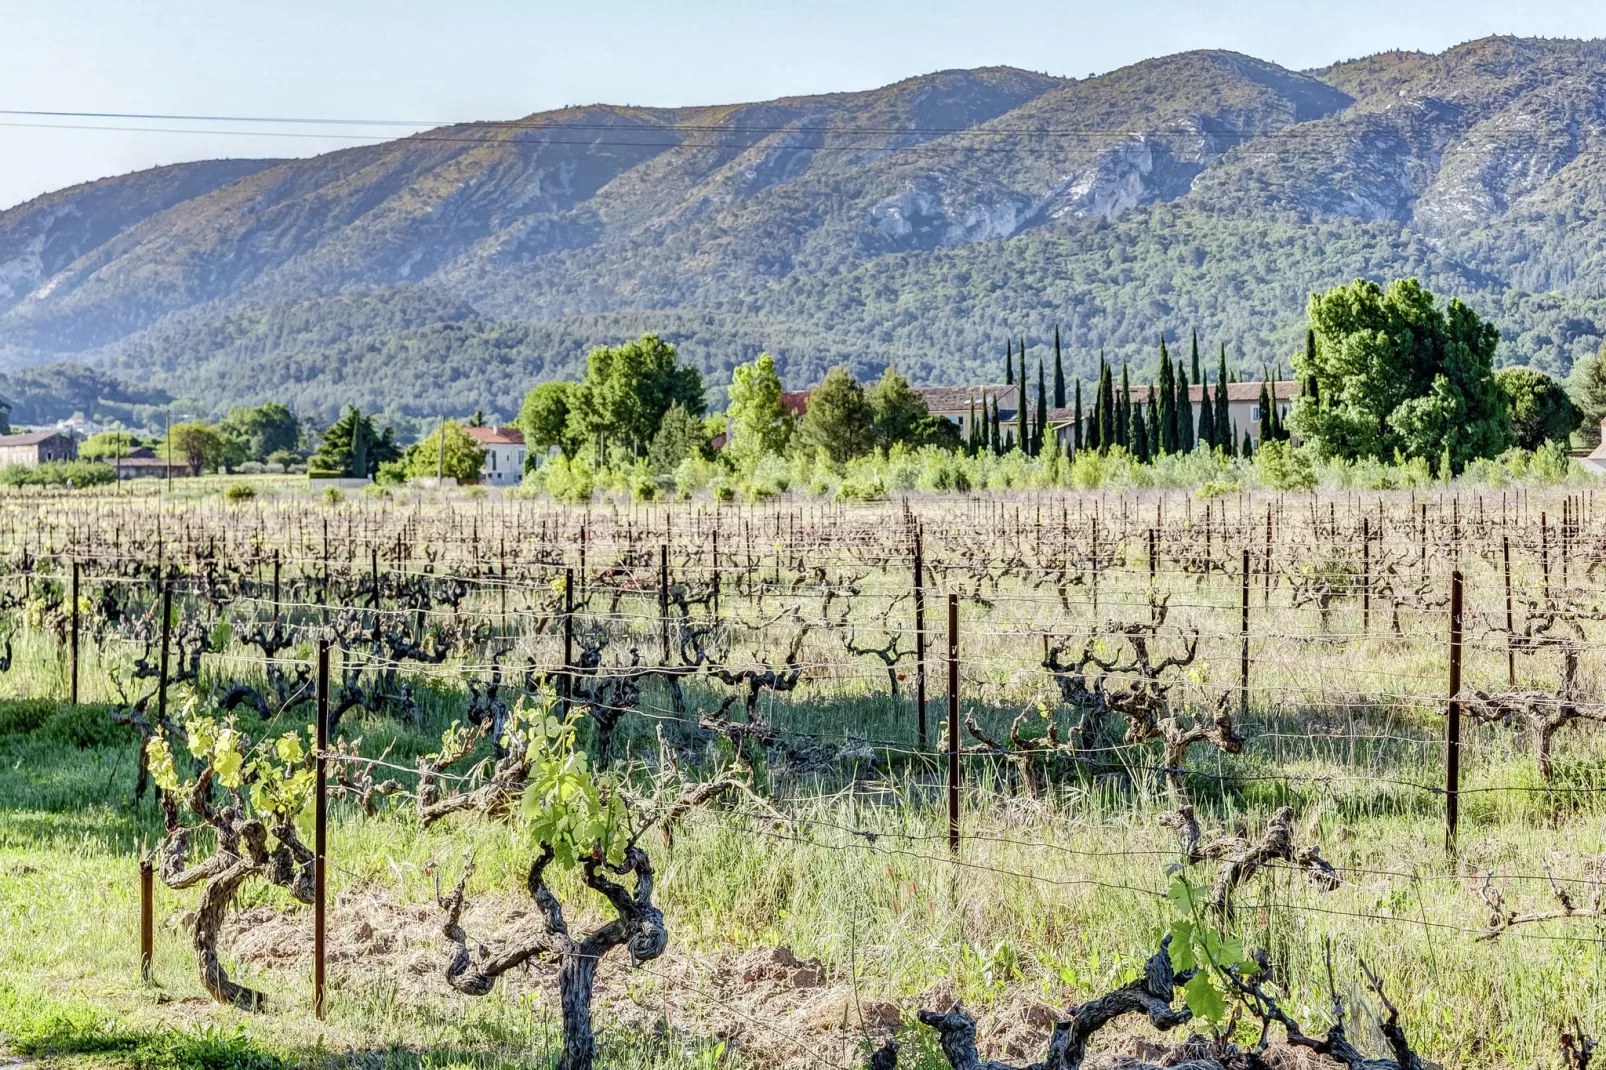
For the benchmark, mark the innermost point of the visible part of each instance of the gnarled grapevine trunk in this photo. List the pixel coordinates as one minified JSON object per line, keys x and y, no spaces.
{"x":639,"y":927}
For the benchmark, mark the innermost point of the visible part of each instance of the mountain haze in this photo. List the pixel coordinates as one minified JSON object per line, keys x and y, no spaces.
{"x":918,"y":224}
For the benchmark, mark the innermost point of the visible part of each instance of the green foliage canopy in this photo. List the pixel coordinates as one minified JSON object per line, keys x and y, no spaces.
{"x":628,"y":388}
{"x":839,"y":420}
{"x":1395,"y":375}
{"x":1539,"y":408}
{"x":755,"y":420}
{"x":461,"y":460}
{"x":263,"y":430}
{"x":544,"y":418}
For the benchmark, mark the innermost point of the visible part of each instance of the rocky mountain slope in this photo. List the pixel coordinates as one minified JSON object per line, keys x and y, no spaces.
{"x":918,"y":224}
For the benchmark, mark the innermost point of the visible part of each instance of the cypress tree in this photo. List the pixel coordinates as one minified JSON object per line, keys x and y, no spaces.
{"x":1249,"y":447}
{"x":1168,"y":402}
{"x":1207,"y":417}
{"x":994,"y":438}
{"x":970,"y":429}
{"x":1059,"y":373}
{"x":1196,"y":377}
{"x":1009,"y":363}
{"x":1184,"y":412}
{"x":1138,"y":434}
{"x":1042,"y":412}
{"x":1106,"y":409}
{"x":1153,"y":421}
{"x":1076,"y":420}
{"x":1123,"y":410}
{"x":1268,"y":421}
{"x":1022,"y":409}
{"x":1223,"y":410}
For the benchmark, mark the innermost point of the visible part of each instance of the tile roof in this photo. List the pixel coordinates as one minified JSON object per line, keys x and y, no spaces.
{"x":29,"y":438}
{"x":496,"y":436}
{"x":958,"y":398}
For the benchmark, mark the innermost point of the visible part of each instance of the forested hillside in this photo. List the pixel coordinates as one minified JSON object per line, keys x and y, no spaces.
{"x":920,"y":224}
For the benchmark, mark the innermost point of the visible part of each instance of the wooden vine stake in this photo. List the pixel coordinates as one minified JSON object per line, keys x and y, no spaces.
{"x":953,"y":723}
{"x":320,"y":830}
{"x":1452,"y":771}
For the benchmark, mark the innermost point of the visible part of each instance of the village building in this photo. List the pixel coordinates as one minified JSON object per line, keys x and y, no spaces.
{"x":33,"y":448}
{"x":142,"y":463}
{"x":504,"y":454}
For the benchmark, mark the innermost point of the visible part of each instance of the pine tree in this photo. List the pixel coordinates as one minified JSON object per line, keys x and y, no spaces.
{"x":1223,"y":405}
{"x":1184,"y":412}
{"x":1168,"y":402}
{"x":1009,"y":363}
{"x":1076,"y":420}
{"x":1042,"y":412}
{"x":1059,"y":373}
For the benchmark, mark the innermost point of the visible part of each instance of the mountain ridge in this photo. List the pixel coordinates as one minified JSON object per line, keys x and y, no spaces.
{"x":914,"y":224}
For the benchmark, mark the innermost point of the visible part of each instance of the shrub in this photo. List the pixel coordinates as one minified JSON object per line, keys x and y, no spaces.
{"x":58,"y":473}
{"x":239,"y":492}
{"x":1283,"y":466}
{"x":391,"y":473}
{"x":332,"y":495}
{"x":284,"y":459}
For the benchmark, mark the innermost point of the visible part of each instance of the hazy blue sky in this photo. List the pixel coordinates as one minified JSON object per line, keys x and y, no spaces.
{"x":485,"y":59}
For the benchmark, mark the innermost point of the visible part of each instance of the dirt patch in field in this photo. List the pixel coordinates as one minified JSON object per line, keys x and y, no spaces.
{"x":767,"y":1002}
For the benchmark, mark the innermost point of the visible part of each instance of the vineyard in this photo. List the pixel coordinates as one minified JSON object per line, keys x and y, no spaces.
{"x":1058,"y":780}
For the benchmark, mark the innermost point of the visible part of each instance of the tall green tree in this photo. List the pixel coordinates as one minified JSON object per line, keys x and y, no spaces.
{"x":628,"y":388}
{"x":197,"y":443}
{"x":1076,"y":419}
{"x":1153,"y":421}
{"x":1123,"y":410}
{"x":1059,"y":373}
{"x":1196,"y":377}
{"x":1009,"y":362}
{"x":1106,"y":407}
{"x":756,"y":422}
{"x":1207,"y":417}
{"x":1588,"y":390}
{"x":1042,"y":412}
{"x":1540,"y":410}
{"x":1184,"y":411}
{"x":1137,"y":433}
{"x":995,"y":436}
{"x":351,"y":447}
{"x":1022,"y":406}
{"x":1268,"y":421}
{"x":839,"y":418}
{"x":1168,"y":402}
{"x":1394,"y":372}
{"x":450,"y":451}
{"x":1225,"y":432}
{"x":262,"y":430}
{"x":544,"y":418}
{"x":680,"y":435}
